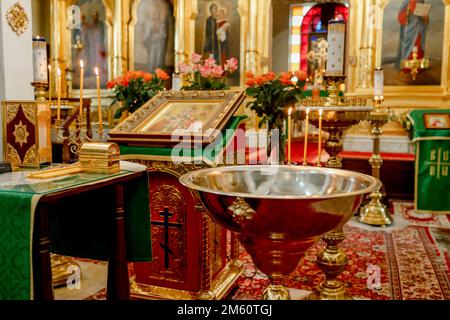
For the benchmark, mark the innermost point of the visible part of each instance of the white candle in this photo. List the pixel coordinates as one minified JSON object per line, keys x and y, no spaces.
{"x":378,"y":83}
{"x":58,"y":80}
{"x":81,"y":87}
{"x":336,"y":45}
{"x":39,"y":60}
{"x":100,"y":120}
{"x":50,"y":85}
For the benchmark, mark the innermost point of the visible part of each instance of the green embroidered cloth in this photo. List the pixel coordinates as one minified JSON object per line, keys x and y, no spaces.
{"x":211,"y":155}
{"x":432,"y":178}
{"x":78,"y":226}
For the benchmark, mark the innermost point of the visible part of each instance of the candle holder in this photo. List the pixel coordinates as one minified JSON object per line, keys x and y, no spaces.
{"x":40,"y":91}
{"x":339,"y":114}
{"x":375,"y":213}
{"x":76,"y":136}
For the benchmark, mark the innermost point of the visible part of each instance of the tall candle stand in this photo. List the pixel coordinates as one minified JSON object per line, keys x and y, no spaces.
{"x":340,"y":113}
{"x":375,"y":213}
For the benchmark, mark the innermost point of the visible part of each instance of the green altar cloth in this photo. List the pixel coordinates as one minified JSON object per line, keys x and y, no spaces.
{"x":210,"y":155}
{"x":79,"y":226}
{"x":432,"y":178}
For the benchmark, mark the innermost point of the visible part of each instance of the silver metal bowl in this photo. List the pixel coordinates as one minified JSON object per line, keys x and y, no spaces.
{"x":279,"y":212}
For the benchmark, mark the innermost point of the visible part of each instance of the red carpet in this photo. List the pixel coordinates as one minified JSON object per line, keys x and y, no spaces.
{"x":412,"y":254}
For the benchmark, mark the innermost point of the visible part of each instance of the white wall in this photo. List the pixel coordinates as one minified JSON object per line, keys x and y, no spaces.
{"x":16,"y":59}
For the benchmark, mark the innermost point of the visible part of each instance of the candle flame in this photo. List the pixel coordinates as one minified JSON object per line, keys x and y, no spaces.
{"x":290,"y":111}
{"x":320,"y":112}
{"x":81,"y":64}
{"x":49,"y":67}
{"x":58,"y":71}
{"x":307,"y":111}
{"x":96,"y":71}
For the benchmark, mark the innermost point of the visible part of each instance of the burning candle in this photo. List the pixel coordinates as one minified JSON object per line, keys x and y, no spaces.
{"x":81,"y":87}
{"x":50,"y":85}
{"x":58,"y":81}
{"x":305,"y":147}
{"x":319,"y":154}
{"x":289,"y":124}
{"x":100,"y":120}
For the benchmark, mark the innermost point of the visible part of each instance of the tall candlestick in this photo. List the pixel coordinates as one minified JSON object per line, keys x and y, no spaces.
{"x":305,"y":147}
{"x":39,"y":60}
{"x":81,"y":87}
{"x":58,"y":80}
{"x":100,"y":120}
{"x":336,"y":46}
{"x":319,"y":154}
{"x":50,"y":85}
{"x":378,"y":83}
{"x":289,"y":124}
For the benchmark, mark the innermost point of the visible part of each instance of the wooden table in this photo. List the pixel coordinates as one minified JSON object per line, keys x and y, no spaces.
{"x":118,"y":287}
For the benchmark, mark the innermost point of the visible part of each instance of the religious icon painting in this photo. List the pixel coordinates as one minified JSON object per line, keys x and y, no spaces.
{"x":218,"y":32}
{"x":415,"y":57}
{"x":197,"y":116}
{"x":437,"y":121}
{"x":89,"y":42}
{"x":153,"y":35}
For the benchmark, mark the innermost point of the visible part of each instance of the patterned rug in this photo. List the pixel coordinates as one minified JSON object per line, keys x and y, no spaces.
{"x":411,"y":259}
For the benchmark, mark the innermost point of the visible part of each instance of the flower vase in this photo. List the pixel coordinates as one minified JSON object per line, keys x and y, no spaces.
{"x":276,"y":145}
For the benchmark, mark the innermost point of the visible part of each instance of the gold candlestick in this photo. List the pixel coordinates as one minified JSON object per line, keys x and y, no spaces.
{"x":289,"y":124}
{"x":375,"y":213}
{"x":81,"y":87}
{"x":58,"y":110}
{"x":305,"y":147}
{"x":319,"y":154}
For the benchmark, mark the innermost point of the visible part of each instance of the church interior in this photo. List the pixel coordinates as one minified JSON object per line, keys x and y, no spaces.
{"x":224,"y":150}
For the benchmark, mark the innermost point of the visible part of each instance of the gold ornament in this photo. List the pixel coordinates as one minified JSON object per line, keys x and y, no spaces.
{"x":17,"y":18}
{"x":21,"y":133}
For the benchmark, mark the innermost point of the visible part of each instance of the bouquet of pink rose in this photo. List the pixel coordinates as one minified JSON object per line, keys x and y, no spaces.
{"x":206,"y":74}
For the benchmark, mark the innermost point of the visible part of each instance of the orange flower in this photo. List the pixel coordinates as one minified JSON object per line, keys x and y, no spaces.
{"x":260,"y":80}
{"x":271,"y":76}
{"x":148,"y":77}
{"x":111,"y":84}
{"x":301,"y":75}
{"x":285,"y":82}
{"x":249,"y":75}
{"x":250,"y":82}
{"x":286,"y":75}
{"x":161,"y":74}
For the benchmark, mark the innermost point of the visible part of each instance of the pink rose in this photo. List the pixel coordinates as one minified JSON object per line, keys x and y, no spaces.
{"x":210,"y":62}
{"x":206,"y":71}
{"x":183,"y":68}
{"x":217,"y":72}
{"x":196,"y":58}
{"x":195,"y":68}
{"x":231,"y":65}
